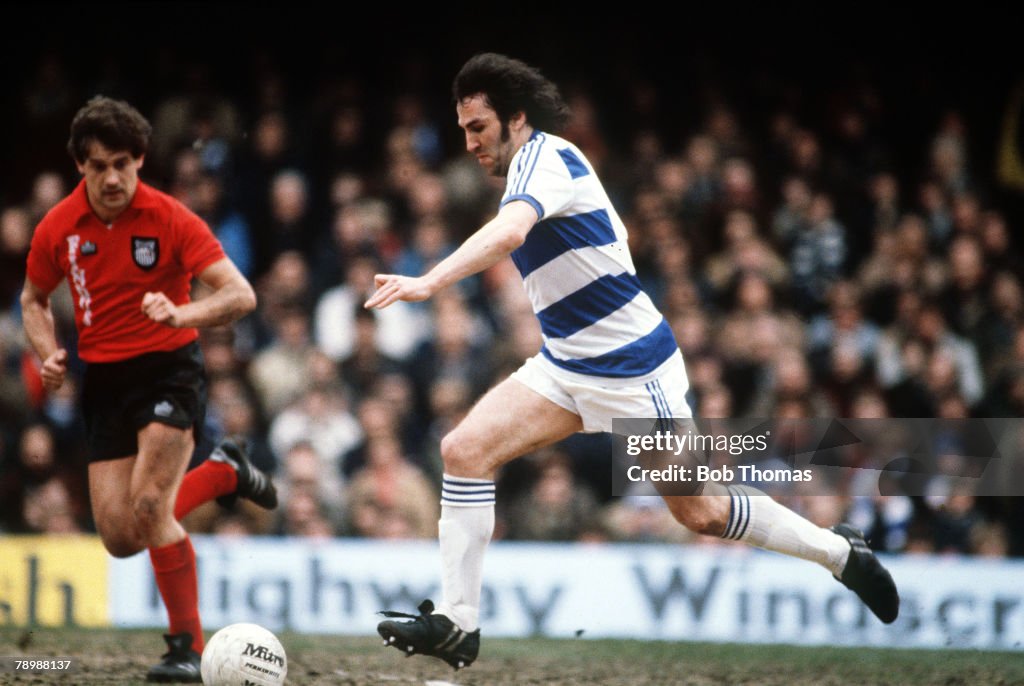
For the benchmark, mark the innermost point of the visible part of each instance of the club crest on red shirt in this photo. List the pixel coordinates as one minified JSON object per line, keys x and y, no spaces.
{"x":145,"y":252}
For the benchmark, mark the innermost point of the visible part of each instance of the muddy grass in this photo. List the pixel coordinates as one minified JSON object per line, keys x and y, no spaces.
{"x":122,"y":657}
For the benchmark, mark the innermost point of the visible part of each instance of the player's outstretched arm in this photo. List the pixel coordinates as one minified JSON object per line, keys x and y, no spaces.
{"x":37,"y":318}
{"x":491,"y":243}
{"x":231,"y":299}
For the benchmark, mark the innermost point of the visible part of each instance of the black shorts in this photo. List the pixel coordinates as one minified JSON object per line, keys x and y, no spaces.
{"x":120,"y":398}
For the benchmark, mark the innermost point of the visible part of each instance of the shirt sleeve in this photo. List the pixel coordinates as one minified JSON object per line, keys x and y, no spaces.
{"x":198,"y":247}
{"x":43,"y":267}
{"x":540,"y":177}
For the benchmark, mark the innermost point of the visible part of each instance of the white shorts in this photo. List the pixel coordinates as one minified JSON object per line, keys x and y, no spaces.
{"x":598,"y":400}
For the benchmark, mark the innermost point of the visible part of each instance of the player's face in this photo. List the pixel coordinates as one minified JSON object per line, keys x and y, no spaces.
{"x":111,"y":177}
{"x":486,"y":137}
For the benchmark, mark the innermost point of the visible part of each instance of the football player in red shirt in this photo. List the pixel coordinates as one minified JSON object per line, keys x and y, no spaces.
{"x":129,"y":253}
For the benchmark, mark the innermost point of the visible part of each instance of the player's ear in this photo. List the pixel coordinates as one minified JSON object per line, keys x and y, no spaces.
{"x":140,"y":159}
{"x":517,"y":121}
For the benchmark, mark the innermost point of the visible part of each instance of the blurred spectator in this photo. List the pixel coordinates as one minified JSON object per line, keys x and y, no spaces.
{"x":1004,"y":315}
{"x":269,"y":154}
{"x":285,"y":287}
{"x":230,"y":227}
{"x":288,"y":225}
{"x":555,"y":507}
{"x":705,"y":188}
{"x":935,"y":207}
{"x":304,"y":472}
{"x":390,"y":498}
{"x":341,"y":324}
{"x":1000,"y":251}
{"x":50,"y":509}
{"x":428,"y":246}
{"x":48,"y":189}
{"x":14,"y":396}
{"x":843,"y":325}
{"x":321,"y":418}
{"x":965,"y":300}
{"x":739,"y":187}
{"x":789,"y":378}
{"x":966,"y":213}
{"x":884,"y":519}
{"x":198,"y":115}
{"x":817,"y":258}
{"x":39,"y":492}
{"x":358,"y":230}
{"x":900,"y":262}
{"x":644,"y":519}
{"x":744,"y":251}
{"x":15,"y":234}
{"x":988,"y":539}
{"x":752,"y":334}
{"x":951,"y":352}
{"x":949,"y":155}
{"x":365,"y":363}
{"x":305,"y":517}
{"x":348,"y":148}
{"x":457,"y":349}
{"x":791,"y":217}
{"x":955,"y":519}
{"x":884,"y":192}
{"x":281,"y":372}
{"x":846,"y":374}
{"x":919,"y":348}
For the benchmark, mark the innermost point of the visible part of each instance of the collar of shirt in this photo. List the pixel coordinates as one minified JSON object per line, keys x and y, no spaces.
{"x":144,"y":198}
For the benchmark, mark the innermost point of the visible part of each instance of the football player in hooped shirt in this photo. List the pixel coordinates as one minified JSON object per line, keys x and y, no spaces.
{"x":607,"y":353}
{"x":129,"y":253}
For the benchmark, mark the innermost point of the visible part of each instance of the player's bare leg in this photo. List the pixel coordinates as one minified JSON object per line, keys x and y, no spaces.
{"x":109,"y":484}
{"x":508,"y":421}
{"x":134,"y":509}
{"x":164,"y":453}
{"x":133,"y":497}
{"x":742,"y":513}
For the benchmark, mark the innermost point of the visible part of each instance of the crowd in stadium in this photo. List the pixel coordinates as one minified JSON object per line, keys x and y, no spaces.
{"x":807,"y":271}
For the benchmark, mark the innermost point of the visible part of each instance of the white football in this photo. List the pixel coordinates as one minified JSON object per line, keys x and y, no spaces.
{"x":241,"y":654}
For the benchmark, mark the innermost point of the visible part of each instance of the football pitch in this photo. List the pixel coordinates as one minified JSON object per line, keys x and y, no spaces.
{"x":122,"y":657}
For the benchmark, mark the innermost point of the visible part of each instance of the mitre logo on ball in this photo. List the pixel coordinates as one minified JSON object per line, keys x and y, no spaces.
{"x":244,"y":655}
{"x":261,"y":652}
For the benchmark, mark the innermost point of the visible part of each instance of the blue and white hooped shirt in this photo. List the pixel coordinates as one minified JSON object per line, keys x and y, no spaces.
{"x":595,"y":317}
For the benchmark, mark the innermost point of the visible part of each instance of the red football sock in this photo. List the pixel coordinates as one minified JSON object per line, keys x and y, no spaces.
{"x":175,"y":569}
{"x":204,"y":483}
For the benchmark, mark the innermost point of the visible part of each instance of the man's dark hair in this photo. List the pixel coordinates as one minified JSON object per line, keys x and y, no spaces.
{"x":512,"y":86}
{"x":113,"y":123}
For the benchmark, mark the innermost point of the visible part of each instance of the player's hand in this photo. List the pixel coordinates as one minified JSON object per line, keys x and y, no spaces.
{"x":55,"y":368}
{"x":160,"y":309}
{"x":392,"y":287}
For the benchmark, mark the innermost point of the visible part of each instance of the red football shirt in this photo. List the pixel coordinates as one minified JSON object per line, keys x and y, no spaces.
{"x":156,"y":244}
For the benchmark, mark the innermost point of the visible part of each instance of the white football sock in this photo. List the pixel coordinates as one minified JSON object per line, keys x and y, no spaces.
{"x":756,"y":519}
{"x":465,"y":529}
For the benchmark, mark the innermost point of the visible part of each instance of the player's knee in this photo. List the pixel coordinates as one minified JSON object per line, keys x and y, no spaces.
{"x":696,"y":516}
{"x":459,"y":457}
{"x":122,"y":543}
{"x":149,"y":509}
